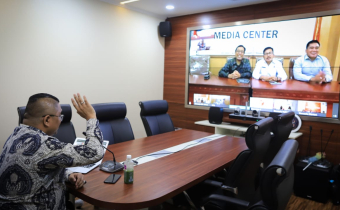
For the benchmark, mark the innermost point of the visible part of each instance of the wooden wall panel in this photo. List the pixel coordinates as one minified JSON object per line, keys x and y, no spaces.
{"x":175,"y":64}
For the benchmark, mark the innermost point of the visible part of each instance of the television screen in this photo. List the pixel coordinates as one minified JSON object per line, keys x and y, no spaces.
{"x":312,"y":108}
{"x":211,"y":100}
{"x":283,"y":104}
{"x":335,"y":110}
{"x":300,"y":107}
{"x":264,"y":104}
{"x":309,"y":89}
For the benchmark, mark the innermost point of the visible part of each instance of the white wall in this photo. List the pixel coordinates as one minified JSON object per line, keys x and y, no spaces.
{"x":108,"y":53}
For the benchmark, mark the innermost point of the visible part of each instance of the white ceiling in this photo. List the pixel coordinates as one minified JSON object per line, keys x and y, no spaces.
{"x":182,"y":7}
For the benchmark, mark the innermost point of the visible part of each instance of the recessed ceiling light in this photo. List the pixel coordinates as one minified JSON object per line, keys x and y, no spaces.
{"x":129,"y":1}
{"x":170,"y":7}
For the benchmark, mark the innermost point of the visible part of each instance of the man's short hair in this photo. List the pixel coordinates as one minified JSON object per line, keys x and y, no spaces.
{"x":267,"y":48}
{"x":31,"y":109}
{"x":240,"y":46}
{"x":311,"y":42}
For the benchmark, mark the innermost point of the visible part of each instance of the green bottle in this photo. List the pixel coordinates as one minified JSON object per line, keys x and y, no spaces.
{"x":128,"y":170}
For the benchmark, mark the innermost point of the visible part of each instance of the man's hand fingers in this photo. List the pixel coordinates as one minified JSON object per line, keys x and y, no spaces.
{"x":72,"y":178}
{"x":76,"y":99}
{"x":79,"y":99}
{"x":74,"y":104}
{"x":79,"y":183}
{"x":80,"y":180}
{"x":85,"y":100}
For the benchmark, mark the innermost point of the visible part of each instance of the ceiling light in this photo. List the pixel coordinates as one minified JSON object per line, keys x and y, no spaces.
{"x":129,"y":1}
{"x":170,"y":7}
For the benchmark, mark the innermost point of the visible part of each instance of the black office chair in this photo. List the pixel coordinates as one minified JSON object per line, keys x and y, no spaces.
{"x":240,"y":179}
{"x":114,"y":125}
{"x":281,"y":129}
{"x":276,"y":184}
{"x":66,"y":131}
{"x":21,"y":113}
{"x":291,"y":67}
{"x":155,"y":118}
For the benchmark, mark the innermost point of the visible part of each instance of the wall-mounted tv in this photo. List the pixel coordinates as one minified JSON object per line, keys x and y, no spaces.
{"x":211,"y":100}
{"x":286,"y":75}
{"x":300,"y":107}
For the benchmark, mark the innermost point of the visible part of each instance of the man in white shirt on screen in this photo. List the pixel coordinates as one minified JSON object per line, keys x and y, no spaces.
{"x":269,"y":69}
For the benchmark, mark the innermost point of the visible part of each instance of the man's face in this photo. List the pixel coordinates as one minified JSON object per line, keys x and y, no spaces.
{"x":313,"y":50}
{"x":268,"y":55}
{"x":239,"y":53}
{"x":55,"y":120}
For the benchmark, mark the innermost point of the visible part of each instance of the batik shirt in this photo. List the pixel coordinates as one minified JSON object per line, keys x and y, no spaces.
{"x":244,"y":68}
{"x":32,"y":167}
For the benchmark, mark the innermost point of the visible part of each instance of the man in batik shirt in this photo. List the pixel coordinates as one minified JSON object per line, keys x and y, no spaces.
{"x":33,"y":163}
{"x":237,"y":67}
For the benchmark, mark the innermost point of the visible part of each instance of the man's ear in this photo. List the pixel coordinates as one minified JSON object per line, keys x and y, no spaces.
{"x":47,"y":120}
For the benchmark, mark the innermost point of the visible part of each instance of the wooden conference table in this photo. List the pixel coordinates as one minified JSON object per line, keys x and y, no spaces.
{"x":238,"y":92}
{"x":297,"y":90}
{"x":163,"y":178}
{"x":289,"y":89}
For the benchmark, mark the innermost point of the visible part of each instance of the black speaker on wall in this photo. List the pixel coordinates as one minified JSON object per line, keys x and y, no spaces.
{"x":215,"y":115}
{"x":165,"y":29}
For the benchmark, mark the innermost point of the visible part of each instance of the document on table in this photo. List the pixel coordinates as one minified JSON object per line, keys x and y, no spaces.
{"x":87,"y":168}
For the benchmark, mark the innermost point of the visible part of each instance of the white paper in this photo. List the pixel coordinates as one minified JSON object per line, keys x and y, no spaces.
{"x":172,"y":150}
{"x":87,"y":168}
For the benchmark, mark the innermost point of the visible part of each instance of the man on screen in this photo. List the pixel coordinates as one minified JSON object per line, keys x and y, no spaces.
{"x":269,"y":69}
{"x":237,"y":67}
{"x":312,"y":67}
{"x":201,"y":45}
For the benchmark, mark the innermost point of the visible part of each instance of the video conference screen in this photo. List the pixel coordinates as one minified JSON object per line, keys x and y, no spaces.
{"x":303,"y":108}
{"x":309,"y":86}
{"x":211,"y":100}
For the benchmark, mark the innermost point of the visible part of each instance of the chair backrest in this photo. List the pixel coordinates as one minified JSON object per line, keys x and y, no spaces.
{"x":243,"y":171}
{"x":291,"y":65}
{"x":281,"y":129}
{"x":276,"y":185}
{"x":155,"y":118}
{"x":66,"y":131}
{"x":21,"y":113}
{"x":114,"y":125}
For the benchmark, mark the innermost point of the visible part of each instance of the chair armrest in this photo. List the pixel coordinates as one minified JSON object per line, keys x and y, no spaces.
{"x":213,"y":183}
{"x":220,"y":185}
{"x":235,"y":201}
